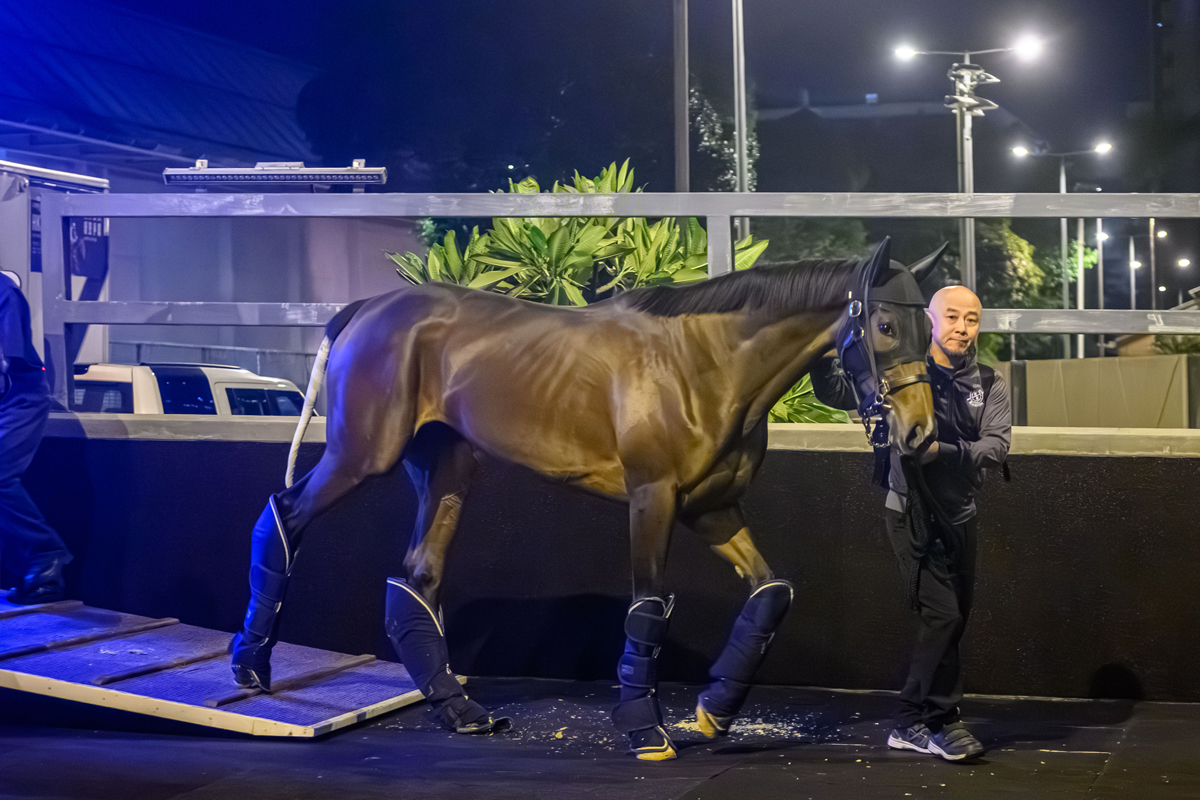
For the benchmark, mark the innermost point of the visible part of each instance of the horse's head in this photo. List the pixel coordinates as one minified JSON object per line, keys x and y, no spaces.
{"x":883,"y":344}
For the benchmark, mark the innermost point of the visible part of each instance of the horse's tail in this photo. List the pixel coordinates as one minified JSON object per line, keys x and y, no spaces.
{"x":335,"y":326}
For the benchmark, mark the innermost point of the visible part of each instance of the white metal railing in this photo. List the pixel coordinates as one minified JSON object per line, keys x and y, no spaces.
{"x":59,"y":312}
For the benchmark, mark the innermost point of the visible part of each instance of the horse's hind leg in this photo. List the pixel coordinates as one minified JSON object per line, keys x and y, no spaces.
{"x":440,"y":463}
{"x":366,"y":433}
{"x":770,"y":597}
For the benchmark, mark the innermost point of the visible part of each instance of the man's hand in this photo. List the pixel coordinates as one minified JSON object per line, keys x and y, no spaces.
{"x":930,"y":454}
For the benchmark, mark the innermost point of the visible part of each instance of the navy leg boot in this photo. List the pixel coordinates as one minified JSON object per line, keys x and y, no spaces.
{"x":416,"y":633}
{"x":272,"y":555}
{"x":747,"y":647}
{"x":638,"y":714}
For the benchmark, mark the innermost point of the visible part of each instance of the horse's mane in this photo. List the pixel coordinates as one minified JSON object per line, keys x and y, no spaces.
{"x":774,"y":289}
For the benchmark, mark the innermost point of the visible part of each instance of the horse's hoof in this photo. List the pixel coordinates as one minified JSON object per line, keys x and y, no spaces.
{"x":489,"y":725}
{"x":652,"y":744}
{"x":711,"y":726}
{"x":251,"y":665}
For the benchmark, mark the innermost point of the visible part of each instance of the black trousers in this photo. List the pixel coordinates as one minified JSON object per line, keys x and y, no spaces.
{"x":24,"y":532}
{"x":934,"y":686}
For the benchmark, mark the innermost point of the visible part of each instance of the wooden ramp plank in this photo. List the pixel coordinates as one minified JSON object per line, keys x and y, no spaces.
{"x":289,"y":684}
{"x":38,"y":608}
{"x":353,"y":694}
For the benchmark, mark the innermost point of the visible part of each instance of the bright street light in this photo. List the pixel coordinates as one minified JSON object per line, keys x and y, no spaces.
{"x":1028,"y":48}
{"x":1102,"y":236}
{"x":1161,"y":234}
{"x":966,"y":105}
{"x":1183,"y":262}
{"x":1102,"y":148}
{"x":1162,"y":288}
{"x":1135,"y":264}
{"x":1020,"y":152}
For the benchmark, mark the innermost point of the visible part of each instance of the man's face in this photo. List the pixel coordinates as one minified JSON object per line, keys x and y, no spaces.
{"x":955,"y":313}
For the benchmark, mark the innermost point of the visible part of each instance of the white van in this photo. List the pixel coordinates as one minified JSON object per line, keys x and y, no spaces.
{"x":182,"y":389}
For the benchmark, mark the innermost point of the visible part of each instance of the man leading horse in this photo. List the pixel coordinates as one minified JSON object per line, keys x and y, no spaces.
{"x":657,"y":398}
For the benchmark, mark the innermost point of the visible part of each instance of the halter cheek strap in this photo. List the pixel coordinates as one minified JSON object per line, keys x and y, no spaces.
{"x":857,"y":340}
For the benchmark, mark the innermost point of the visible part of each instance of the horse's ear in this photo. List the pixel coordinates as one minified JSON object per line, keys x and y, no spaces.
{"x":875,"y":271}
{"x":921,"y":269}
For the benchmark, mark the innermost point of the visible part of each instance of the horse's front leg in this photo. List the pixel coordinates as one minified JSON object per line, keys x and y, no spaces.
{"x":770,"y":597}
{"x":651,"y":516}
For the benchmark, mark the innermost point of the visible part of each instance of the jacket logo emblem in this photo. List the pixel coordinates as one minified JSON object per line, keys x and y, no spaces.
{"x":975,"y":398}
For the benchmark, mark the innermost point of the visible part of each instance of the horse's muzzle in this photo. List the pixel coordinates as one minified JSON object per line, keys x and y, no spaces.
{"x":910,"y":410}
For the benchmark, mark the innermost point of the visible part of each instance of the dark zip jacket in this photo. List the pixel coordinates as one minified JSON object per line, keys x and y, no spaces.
{"x":974,"y":431}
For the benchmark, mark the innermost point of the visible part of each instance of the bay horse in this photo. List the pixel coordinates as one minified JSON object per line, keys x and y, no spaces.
{"x":657,"y":397}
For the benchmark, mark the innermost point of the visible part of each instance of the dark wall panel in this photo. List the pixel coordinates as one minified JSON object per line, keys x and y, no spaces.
{"x":1087,"y":566}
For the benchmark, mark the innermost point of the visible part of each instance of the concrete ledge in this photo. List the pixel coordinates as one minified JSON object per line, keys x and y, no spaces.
{"x":1027,"y":441}
{"x":840,"y":438}
{"x":190,"y":427}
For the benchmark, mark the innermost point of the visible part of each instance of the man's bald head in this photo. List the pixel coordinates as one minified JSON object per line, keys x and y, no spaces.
{"x":955,"y":311}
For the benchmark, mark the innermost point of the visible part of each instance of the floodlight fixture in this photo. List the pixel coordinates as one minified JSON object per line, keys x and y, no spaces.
{"x":1028,"y":48}
{"x":1103,"y":237}
{"x":1020,"y":152}
{"x":905,"y":52}
{"x":359,"y":175}
{"x":1135,"y":264}
{"x":1162,"y":288}
{"x":1184,"y":262}
{"x":1160,"y":233}
{"x":1102,"y":148}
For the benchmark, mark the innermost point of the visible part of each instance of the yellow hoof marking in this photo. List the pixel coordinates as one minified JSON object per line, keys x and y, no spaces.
{"x":707,"y":724}
{"x":665,"y":754}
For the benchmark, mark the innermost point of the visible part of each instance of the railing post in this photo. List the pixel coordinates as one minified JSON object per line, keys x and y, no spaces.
{"x":720,"y":246}
{"x":54,"y":294}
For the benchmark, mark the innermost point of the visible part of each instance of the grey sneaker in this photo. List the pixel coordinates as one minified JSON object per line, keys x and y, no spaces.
{"x":955,"y":743}
{"x":915,"y":738}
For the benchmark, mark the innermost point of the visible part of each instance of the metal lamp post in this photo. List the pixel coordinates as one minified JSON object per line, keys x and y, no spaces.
{"x":966,"y":105}
{"x":682,"y":145}
{"x":741,"y":122}
{"x":1100,"y":149}
{"x":1154,"y":234}
{"x":1134,"y":266}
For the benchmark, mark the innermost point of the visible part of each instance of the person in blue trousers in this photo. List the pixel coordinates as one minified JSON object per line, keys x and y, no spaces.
{"x":26,"y":539}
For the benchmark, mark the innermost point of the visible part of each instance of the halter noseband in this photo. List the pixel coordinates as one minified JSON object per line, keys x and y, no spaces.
{"x":857,"y":340}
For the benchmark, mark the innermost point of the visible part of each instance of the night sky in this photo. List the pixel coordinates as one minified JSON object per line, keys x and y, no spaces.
{"x":448,"y":93}
{"x":1096,"y":62}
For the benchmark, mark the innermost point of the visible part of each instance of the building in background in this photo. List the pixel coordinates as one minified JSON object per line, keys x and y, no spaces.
{"x":97,"y":90}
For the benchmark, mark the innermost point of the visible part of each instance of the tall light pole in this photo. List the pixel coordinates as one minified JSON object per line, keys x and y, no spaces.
{"x":1134,"y":266}
{"x":966,"y":105}
{"x":1079,"y":286}
{"x":1101,"y":149}
{"x":682,"y":143}
{"x":1155,"y":235}
{"x":741,"y":122}
{"x":1101,"y":238}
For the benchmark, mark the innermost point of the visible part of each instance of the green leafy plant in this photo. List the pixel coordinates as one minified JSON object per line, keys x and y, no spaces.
{"x":554,"y":259}
{"x":800,"y":404}
{"x":662,"y":253}
{"x":1169,"y":344}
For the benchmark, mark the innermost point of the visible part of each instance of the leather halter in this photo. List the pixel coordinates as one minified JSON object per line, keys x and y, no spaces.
{"x":856,"y":341}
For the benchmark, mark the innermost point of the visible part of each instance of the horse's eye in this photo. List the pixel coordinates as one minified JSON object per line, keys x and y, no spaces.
{"x":885,"y":329}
